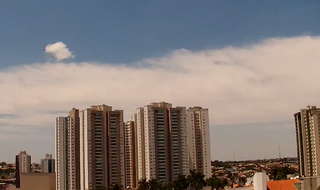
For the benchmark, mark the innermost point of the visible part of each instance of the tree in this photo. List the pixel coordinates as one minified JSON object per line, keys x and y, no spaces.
{"x":181,"y":183}
{"x":166,"y":186}
{"x":117,"y":186}
{"x":3,"y":164}
{"x":215,"y":183}
{"x":196,"y":180}
{"x":143,"y":184}
{"x":101,"y":188}
{"x":279,"y":173}
{"x":154,"y":184}
{"x":242,"y":180}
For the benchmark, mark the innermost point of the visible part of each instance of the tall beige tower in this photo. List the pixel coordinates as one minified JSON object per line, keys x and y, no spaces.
{"x":130,"y":156}
{"x":307,"y":123}
{"x":23,"y":165}
{"x":73,"y":150}
{"x":161,"y":142}
{"x":199,"y":140}
{"x":68,"y":151}
{"x":102,"y":161}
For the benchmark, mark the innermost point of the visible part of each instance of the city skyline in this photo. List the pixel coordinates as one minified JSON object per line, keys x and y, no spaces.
{"x":252,"y":64}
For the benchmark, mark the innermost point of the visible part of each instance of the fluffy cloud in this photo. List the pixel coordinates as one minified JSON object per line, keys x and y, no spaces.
{"x":59,"y":50}
{"x":263,"y":83}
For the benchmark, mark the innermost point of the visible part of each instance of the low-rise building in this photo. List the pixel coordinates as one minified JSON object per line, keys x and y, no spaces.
{"x":37,"y":181}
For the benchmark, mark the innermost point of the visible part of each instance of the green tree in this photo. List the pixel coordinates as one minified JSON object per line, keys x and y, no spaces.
{"x":101,"y":188}
{"x":117,"y":186}
{"x":215,"y":183}
{"x":143,"y":184}
{"x":154,"y":184}
{"x":181,"y":183}
{"x":196,"y":180}
{"x":242,"y":180}
{"x":166,"y":186}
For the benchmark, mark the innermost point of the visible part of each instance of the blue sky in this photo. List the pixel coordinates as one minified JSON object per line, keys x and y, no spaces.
{"x":129,"y":32}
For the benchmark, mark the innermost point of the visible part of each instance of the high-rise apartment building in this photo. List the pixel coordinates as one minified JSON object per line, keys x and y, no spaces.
{"x":130,"y":155}
{"x":48,"y":164}
{"x":23,"y":165}
{"x":162,"y":142}
{"x":307,"y":123}
{"x":199,"y":140}
{"x":61,"y":147}
{"x":68,"y":151}
{"x":102,"y":155}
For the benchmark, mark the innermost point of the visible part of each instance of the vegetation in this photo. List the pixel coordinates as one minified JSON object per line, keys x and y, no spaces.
{"x":101,"y":188}
{"x":278,"y":173}
{"x":181,"y":183}
{"x":116,"y":186}
{"x":6,"y":172}
{"x":195,"y":181}
{"x":216,"y":183}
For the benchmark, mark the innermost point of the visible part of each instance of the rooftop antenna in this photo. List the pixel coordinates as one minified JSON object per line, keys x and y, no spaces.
{"x":279,"y":152}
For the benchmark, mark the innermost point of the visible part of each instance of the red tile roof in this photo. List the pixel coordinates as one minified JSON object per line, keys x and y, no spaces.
{"x":282,"y":184}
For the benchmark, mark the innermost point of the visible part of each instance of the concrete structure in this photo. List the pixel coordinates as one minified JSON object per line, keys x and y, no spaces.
{"x":48,"y":164}
{"x":61,"y":146}
{"x":260,"y":181}
{"x":309,"y":183}
{"x":68,"y":151}
{"x":38,"y":181}
{"x":199,"y":140}
{"x":130,"y":155}
{"x":23,"y":165}
{"x":102,"y":161}
{"x":307,"y":123}
{"x":162,"y":142}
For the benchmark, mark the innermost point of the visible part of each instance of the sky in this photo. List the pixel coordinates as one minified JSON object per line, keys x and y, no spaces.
{"x":252,"y":63}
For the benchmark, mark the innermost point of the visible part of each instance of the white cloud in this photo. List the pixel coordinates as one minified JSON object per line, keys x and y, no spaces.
{"x":265,"y":82}
{"x":59,"y":50}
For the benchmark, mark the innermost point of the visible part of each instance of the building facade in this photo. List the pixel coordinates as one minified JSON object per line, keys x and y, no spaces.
{"x":162,"y":142}
{"x":307,"y":123}
{"x":130,"y":155}
{"x":102,"y":155}
{"x":199,"y":140}
{"x":23,"y":165}
{"x":48,"y":164}
{"x":67,"y":147}
{"x":61,"y":143}
{"x":38,"y":181}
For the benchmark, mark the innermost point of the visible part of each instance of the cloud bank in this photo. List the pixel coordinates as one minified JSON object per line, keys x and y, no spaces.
{"x":262,"y":83}
{"x":59,"y":50}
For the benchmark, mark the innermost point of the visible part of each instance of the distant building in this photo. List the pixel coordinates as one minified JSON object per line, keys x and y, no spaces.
{"x":23,"y":165}
{"x":38,"y":181}
{"x":199,"y":140}
{"x":48,"y":164}
{"x":162,"y":149}
{"x":67,"y":163}
{"x":260,"y":182}
{"x":307,"y":123}
{"x":102,"y":154}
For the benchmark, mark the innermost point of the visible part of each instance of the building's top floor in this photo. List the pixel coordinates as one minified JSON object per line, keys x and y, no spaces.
{"x":48,"y":156}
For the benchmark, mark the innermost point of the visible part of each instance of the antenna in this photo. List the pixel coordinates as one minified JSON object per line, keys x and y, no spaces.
{"x":234,"y":157}
{"x":279,"y":152}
